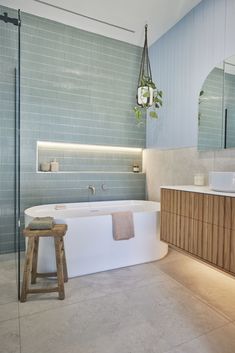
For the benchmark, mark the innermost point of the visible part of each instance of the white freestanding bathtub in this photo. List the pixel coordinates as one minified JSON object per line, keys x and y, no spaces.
{"x":89,"y":243}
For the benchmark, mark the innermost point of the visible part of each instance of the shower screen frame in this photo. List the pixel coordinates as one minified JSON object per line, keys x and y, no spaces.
{"x":16,"y":22}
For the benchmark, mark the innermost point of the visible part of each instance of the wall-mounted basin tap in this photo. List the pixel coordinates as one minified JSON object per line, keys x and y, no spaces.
{"x":92,"y":188}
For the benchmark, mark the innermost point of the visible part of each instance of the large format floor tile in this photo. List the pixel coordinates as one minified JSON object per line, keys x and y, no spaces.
{"x":8,"y":293}
{"x":209,"y":284}
{"x":94,"y":286}
{"x":74,"y":292}
{"x":174,"y":313}
{"x":218,"y":341}
{"x":155,"y":316}
{"x":8,"y":282}
{"x":74,"y":327}
{"x":9,"y":336}
{"x":175,"y":305}
{"x":125,"y":278}
{"x":9,"y":311}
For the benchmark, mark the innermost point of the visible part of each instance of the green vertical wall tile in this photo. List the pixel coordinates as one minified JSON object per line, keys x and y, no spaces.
{"x":76,"y":87}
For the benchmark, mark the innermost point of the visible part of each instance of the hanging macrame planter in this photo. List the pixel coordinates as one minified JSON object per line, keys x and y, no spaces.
{"x":145,"y":96}
{"x":147,"y":93}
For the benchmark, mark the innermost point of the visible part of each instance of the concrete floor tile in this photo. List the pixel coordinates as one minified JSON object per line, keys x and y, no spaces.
{"x":207,"y":283}
{"x":8,"y":282}
{"x":9,"y":311}
{"x":174,"y":305}
{"x":9,"y":336}
{"x":174,"y":312}
{"x":76,"y":325}
{"x":218,"y":341}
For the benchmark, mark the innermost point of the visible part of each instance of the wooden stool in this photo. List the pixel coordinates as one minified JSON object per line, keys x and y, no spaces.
{"x":30,"y":267}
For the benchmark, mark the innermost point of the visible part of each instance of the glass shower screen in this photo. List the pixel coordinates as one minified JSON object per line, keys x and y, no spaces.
{"x":9,"y":153}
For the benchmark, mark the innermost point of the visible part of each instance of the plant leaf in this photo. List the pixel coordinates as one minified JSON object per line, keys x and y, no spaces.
{"x":152,"y":84}
{"x":146,"y":94}
{"x":138,"y":114}
{"x":153,"y":114}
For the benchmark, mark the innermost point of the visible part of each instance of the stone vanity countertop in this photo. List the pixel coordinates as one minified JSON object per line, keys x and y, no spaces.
{"x":200,"y":189}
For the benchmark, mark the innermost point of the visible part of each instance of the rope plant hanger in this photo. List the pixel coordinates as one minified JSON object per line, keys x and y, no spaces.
{"x":147,"y":93}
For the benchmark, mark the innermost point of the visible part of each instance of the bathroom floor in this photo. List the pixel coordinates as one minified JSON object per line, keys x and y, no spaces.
{"x":175,"y":305}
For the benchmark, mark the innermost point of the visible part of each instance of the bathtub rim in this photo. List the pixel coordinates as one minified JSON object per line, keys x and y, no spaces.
{"x":89,"y":205}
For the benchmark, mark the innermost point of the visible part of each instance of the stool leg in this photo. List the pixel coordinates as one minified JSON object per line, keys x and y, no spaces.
{"x":65,"y":271}
{"x":35,"y":261}
{"x":27,"y":269}
{"x":59,"y":266}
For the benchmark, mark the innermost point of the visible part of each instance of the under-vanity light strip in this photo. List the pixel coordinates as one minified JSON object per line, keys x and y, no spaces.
{"x":85,"y":16}
{"x":64,"y":145}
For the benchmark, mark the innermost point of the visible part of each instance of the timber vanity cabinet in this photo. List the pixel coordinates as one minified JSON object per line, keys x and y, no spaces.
{"x":200,"y":222}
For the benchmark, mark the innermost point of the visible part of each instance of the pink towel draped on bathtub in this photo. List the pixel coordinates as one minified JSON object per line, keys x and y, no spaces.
{"x":123,"y":225}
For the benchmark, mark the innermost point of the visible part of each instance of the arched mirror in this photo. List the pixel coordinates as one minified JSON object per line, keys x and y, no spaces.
{"x":216,"y":108}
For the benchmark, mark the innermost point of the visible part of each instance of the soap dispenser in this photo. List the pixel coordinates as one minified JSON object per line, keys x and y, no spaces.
{"x":54,"y":166}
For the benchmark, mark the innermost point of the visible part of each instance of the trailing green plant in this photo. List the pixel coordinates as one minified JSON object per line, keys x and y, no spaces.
{"x":148,"y":96}
{"x":139,"y":110}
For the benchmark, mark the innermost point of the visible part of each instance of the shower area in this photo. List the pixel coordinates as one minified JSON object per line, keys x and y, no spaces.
{"x":58,"y":101}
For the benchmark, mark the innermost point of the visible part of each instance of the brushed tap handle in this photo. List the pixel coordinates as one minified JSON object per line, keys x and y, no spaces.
{"x":104,"y":187}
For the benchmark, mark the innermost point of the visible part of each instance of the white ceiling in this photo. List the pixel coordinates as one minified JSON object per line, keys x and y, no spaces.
{"x":160,"y":15}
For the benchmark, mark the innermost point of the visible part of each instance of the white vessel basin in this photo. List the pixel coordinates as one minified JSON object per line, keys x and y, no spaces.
{"x":222,"y":181}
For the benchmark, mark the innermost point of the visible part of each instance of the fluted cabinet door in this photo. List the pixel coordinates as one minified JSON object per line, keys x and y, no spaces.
{"x":200,"y":224}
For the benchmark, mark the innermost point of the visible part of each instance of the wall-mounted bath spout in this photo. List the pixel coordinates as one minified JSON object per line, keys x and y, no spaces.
{"x":92,"y":188}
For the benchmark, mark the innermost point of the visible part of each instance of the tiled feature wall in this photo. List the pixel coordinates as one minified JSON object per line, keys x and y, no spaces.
{"x":77,"y":87}
{"x":72,"y":187}
{"x":8,"y":62}
{"x":72,"y":159}
{"x":178,"y":166}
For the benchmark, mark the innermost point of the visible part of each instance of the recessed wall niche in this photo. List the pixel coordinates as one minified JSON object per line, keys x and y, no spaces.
{"x":82,"y":158}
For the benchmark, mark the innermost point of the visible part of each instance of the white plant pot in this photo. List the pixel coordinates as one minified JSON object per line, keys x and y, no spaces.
{"x":141,"y":100}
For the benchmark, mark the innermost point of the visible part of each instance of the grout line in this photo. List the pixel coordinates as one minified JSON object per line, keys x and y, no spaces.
{"x":201,"y":299}
{"x":19,"y":326}
{"x":211,"y":306}
{"x":10,"y":319}
{"x":17,"y":265}
{"x":195,"y":338}
{"x":121,"y":290}
{"x":105,"y":294}
{"x":14,"y":300}
{"x":63,"y":305}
